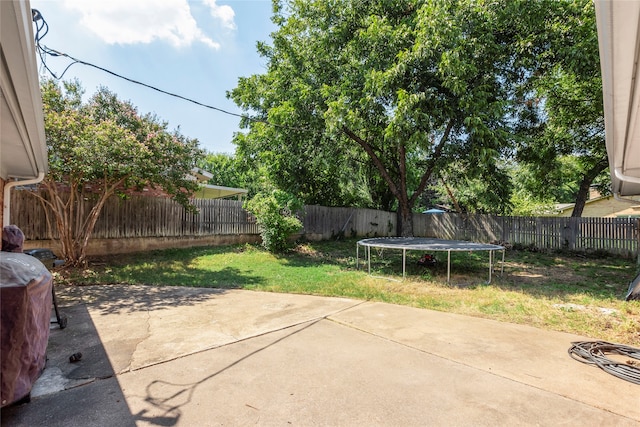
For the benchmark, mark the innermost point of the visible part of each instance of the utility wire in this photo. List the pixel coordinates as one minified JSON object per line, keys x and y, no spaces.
{"x":43,"y":50}
{"x":79,"y":61}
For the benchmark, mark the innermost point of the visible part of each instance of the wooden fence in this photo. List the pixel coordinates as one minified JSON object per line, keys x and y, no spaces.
{"x":321,"y":223}
{"x":618,"y":236}
{"x":148,"y":217}
{"x":141,"y":217}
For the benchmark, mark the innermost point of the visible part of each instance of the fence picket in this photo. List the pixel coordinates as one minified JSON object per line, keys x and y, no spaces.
{"x":162,"y":217}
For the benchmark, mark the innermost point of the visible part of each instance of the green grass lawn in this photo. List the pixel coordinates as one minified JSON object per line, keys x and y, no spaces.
{"x":562,"y":292}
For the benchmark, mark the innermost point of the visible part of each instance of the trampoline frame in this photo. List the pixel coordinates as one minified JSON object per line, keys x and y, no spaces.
{"x":427,"y":244}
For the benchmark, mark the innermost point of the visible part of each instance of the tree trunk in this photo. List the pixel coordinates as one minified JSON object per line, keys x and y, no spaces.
{"x":583,"y":191}
{"x":399,"y":187}
{"x":451,"y":196}
{"x":404,"y":219}
{"x":75,"y":225}
{"x":581,"y":198}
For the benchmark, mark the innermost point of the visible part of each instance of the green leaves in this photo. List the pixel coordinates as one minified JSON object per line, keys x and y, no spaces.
{"x":375,"y":97}
{"x":104,"y":147}
{"x":562,"y":113}
{"x":106,"y":140}
{"x":276,"y":215}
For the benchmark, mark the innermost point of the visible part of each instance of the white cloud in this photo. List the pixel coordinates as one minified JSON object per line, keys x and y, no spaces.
{"x":143,"y":21}
{"x":223,"y":13}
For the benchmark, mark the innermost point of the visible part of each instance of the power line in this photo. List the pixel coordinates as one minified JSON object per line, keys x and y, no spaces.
{"x":79,"y":61}
{"x":43,"y":50}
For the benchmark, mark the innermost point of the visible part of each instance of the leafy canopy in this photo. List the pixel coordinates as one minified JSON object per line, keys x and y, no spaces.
{"x":399,"y":91}
{"x":104,"y":147}
{"x":562,"y":113}
{"x":107,"y":145}
{"x":276,"y":215}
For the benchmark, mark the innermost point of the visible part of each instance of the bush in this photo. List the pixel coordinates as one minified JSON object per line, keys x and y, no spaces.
{"x":276,"y":216}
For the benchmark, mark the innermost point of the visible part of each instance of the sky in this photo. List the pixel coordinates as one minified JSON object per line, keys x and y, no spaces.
{"x":196,"y":49}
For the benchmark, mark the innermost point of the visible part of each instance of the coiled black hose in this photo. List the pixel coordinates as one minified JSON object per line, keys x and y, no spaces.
{"x":593,"y":353}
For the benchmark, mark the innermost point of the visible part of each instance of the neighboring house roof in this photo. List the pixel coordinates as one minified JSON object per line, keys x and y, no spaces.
{"x":559,"y":207}
{"x":218,"y":192}
{"x":208,"y":191}
{"x":23,"y":150}
{"x":618,"y":24}
{"x":601,"y":207}
{"x":564,"y":207}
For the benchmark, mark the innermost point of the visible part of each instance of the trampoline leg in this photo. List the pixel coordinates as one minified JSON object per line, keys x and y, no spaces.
{"x":357,"y":257}
{"x":502,"y":263}
{"x":490,"y":265}
{"x":369,"y":259}
{"x":448,"y":266}
{"x":404,"y":261}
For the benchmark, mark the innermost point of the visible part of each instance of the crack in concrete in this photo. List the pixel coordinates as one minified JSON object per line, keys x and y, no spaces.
{"x":129,"y":367}
{"x":247,"y":338}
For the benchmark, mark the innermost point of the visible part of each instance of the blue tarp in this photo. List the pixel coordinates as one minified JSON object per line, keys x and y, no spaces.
{"x":433,"y":211}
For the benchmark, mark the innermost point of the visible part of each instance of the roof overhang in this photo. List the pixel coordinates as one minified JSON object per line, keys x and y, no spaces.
{"x":23,"y":149}
{"x":207,"y":191}
{"x":619,"y":44}
{"x":200,"y":175}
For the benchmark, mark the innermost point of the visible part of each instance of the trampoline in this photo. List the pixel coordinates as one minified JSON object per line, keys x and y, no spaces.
{"x":427,"y":244}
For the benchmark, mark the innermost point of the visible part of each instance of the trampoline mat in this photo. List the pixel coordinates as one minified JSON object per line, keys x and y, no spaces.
{"x":428,"y":244}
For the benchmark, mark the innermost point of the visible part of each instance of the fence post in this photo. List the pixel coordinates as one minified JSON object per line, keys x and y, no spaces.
{"x":569,"y":234}
{"x":637,"y":232}
{"x":160,"y":217}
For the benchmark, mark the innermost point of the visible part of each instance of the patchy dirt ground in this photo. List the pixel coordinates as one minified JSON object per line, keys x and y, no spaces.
{"x":532,"y":274}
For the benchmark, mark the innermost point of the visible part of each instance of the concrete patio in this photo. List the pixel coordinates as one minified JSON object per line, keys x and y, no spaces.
{"x":165,"y":356}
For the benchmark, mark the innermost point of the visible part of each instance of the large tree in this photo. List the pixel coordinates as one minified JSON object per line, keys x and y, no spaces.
{"x":100,"y":148}
{"x":410,"y":89}
{"x":561,"y":113}
{"x":228,"y":171}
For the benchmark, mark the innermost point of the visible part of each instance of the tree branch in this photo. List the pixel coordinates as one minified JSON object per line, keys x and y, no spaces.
{"x":376,"y":160}
{"x":436,"y":155}
{"x":402,"y":166}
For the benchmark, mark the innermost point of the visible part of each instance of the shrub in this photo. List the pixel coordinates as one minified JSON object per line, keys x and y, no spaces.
{"x":276,"y":215}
